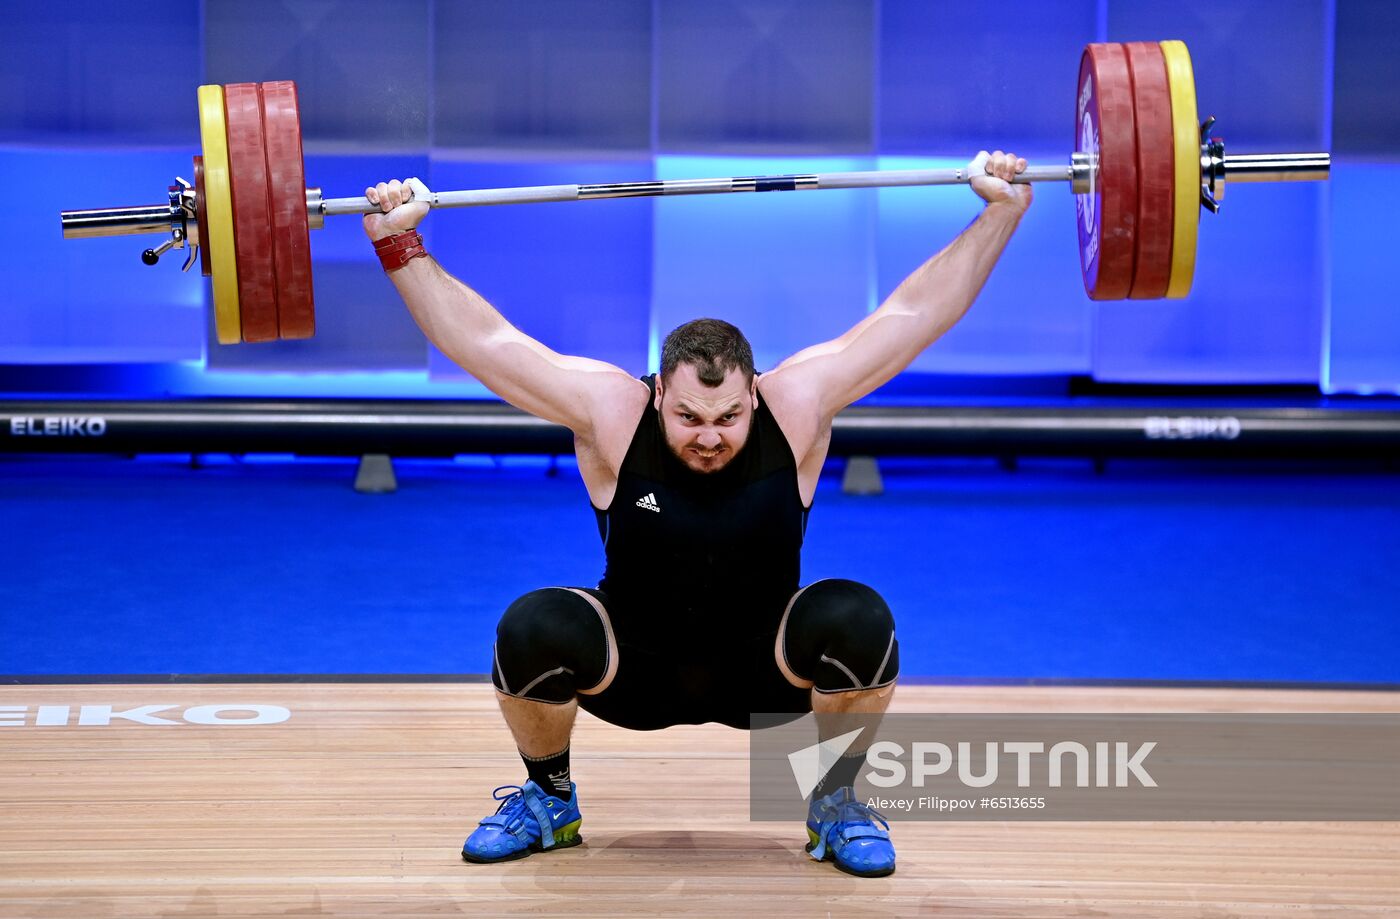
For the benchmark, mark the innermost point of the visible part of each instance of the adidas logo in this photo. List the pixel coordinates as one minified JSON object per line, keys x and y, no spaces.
{"x":649,"y":502}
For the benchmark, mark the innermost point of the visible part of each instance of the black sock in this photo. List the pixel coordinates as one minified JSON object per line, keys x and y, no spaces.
{"x":843,"y":773}
{"x":551,"y":773}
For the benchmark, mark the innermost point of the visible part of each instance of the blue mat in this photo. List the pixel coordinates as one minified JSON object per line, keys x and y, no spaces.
{"x":1153,"y":571}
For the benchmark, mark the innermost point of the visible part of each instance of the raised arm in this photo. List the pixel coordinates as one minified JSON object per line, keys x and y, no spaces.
{"x":833,"y":374}
{"x":567,"y":390}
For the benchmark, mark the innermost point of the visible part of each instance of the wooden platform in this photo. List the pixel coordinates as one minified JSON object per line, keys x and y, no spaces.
{"x":357,"y":806}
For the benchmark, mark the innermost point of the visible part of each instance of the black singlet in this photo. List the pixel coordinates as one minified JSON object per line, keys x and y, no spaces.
{"x":685,"y":549}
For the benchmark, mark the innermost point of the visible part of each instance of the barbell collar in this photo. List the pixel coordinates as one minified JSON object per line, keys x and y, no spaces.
{"x":315,"y":213}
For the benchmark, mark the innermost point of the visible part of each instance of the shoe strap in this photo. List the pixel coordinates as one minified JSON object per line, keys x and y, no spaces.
{"x":862,"y":832}
{"x":510,"y":816}
{"x":847,"y":820}
{"x":541,"y":815}
{"x":818,"y":851}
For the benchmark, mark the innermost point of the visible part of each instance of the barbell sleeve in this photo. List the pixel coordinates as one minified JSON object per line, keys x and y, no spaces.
{"x":116,"y":221}
{"x":1277,"y":167}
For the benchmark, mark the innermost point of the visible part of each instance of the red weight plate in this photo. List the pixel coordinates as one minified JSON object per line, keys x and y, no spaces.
{"x":252,"y":229}
{"x":291,"y":239}
{"x":1152,"y":110}
{"x":201,"y":216}
{"x":1104,"y":129}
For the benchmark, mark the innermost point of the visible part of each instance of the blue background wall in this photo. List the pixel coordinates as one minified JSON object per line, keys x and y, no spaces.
{"x":97,"y":108}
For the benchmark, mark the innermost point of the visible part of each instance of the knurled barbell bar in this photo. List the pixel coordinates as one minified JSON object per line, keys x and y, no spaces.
{"x":1141,"y":170}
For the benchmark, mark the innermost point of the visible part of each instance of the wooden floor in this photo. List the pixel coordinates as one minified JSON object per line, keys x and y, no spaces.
{"x":357,"y":806}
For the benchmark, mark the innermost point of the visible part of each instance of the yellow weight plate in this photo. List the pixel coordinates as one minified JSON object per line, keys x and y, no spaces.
{"x":218,"y":205}
{"x":1186,"y":141}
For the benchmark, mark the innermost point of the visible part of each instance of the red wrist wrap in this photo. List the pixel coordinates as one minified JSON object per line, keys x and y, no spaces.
{"x":398,"y":250}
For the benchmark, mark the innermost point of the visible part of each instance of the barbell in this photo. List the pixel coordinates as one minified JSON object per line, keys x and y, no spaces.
{"x":1142,"y":169}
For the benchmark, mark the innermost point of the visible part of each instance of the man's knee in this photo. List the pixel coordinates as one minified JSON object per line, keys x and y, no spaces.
{"x":550,"y":643}
{"x":840,"y":635}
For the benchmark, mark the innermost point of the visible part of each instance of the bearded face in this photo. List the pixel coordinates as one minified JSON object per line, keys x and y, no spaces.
{"x":706,"y":426}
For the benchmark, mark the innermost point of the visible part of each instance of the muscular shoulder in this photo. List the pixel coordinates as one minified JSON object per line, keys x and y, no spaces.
{"x":796,"y":408}
{"x":619,"y":401}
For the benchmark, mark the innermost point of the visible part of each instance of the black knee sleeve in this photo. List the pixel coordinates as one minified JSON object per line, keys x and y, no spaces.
{"x":550,"y":643}
{"x":840,"y":635}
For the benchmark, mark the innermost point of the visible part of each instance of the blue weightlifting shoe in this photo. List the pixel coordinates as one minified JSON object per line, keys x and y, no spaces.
{"x":842,"y":829}
{"x":527,"y":821}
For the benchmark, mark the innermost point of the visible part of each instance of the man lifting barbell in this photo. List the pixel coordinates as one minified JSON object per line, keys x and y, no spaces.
{"x":701,"y":477}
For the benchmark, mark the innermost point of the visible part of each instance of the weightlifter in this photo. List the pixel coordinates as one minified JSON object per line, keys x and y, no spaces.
{"x":701,"y":477}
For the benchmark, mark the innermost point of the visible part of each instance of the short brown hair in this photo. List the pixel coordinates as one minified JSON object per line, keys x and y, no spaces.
{"x":713,"y":346}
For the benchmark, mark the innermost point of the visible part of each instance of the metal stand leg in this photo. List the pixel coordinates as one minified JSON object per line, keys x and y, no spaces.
{"x":862,"y":477}
{"x":376,"y":475}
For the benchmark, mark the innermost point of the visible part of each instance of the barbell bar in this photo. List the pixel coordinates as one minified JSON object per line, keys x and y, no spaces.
{"x":1142,"y":169}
